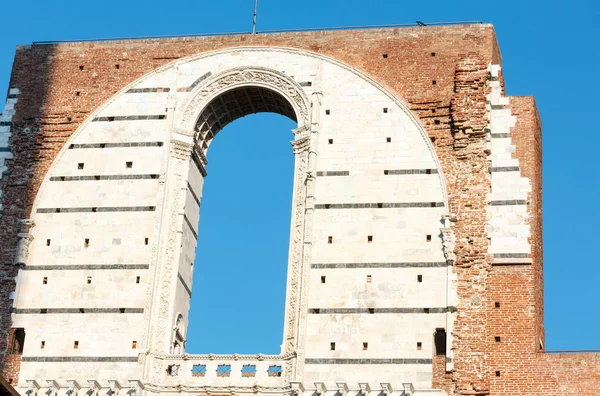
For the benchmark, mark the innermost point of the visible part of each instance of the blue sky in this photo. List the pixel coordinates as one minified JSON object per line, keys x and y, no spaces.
{"x":550,"y":50}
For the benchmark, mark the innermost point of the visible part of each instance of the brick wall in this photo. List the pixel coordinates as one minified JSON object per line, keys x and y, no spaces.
{"x":441,"y":72}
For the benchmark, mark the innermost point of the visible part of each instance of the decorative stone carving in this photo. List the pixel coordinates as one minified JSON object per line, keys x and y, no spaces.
{"x":448,"y":238}
{"x":32,"y":387}
{"x":342,"y":388}
{"x":25,"y":238}
{"x":173,"y":370}
{"x":93,"y":387}
{"x":297,"y":388}
{"x":245,"y":76}
{"x":72,"y":387}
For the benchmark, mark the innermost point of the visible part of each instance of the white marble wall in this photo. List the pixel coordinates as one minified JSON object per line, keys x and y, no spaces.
{"x":360,"y":130}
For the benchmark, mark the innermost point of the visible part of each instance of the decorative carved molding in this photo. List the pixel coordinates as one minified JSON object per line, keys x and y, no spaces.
{"x":277,"y":81}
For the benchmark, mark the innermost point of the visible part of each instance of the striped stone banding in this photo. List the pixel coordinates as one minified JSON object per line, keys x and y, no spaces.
{"x":187,"y":221}
{"x":6,"y":123}
{"x":381,"y":265}
{"x":98,"y":209}
{"x":23,"y":311}
{"x":147,"y":90}
{"x":508,"y":202}
{"x":505,"y":169}
{"x":198,"y":81}
{"x":380,"y":310}
{"x":103,"y":177}
{"x":511,"y":255}
{"x":80,"y":359}
{"x":369,"y":361}
{"x":499,"y":135}
{"x":333,"y":173}
{"x":114,"y":145}
{"x":78,"y":267}
{"x":129,"y":118}
{"x":410,"y":171}
{"x":191,"y":190}
{"x":381,"y":205}
{"x":185,"y":286}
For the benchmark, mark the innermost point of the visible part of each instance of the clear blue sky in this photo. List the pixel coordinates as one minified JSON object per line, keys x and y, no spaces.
{"x":550,"y":49}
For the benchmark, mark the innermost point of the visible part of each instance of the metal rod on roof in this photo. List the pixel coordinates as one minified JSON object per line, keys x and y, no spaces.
{"x":254,"y":22}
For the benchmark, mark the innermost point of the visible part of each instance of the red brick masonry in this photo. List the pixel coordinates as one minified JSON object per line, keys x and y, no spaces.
{"x":57,"y":95}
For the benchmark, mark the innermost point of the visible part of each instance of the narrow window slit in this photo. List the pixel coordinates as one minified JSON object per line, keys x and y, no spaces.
{"x":420,"y":278}
{"x":419,"y":346}
{"x":45,"y":280}
{"x":332,"y":346}
{"x":76,"y":345}
{"x":365,"y":346}
{"x":323,"y":279}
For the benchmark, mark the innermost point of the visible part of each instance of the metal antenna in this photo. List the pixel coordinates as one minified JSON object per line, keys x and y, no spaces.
{"x":254,"y":23}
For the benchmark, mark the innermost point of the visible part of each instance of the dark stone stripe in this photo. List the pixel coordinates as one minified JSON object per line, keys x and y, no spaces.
{"x":187,"y":221}
{"x":147,"y":90}
{"x":410,"y":172}
{"x":12,"y":96}
{"x":198,"y":161}
{"x":380,"y":310}
{"x":505,"y":169}
{"x":333,"y":173}
{"x":381,"y":265}
{"x":382,"y":205}
{"x":369,"y":361}
{"x":6,"y":123}
{"x":79,"y":359}
{"x":4,"y":149}
{"x":98,"y":209}
{"x":511,"y":255}
{"x":198,"y":81}
{"x":130,"y":118}
{"x":23,"y":311}
{"x":508,"y":202}
{"x":499,"y":135}
{"x":114,"y":145}
{"x":77,"y":267}
{"x":191,"y":190}
{"x":185,"y":286}
{"x":104,"y":177}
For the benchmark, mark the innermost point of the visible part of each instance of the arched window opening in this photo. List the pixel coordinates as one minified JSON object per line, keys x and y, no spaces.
{"x":243,"y":235}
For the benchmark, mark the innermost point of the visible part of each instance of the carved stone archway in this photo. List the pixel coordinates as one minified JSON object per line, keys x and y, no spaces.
{"x":188,"y":141}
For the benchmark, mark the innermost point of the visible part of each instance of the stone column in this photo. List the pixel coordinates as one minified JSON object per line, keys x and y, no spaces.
{"x":169,"y":247}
